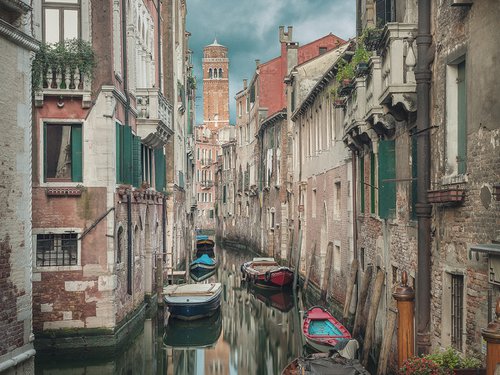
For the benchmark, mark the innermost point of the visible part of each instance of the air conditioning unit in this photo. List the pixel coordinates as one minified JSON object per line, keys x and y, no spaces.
{"x":462,"y":2}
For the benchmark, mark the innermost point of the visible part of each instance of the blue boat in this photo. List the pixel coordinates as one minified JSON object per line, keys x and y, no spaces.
{"x":192,"y":301}
{"x":202,"y":268}
{"x":205,"y":246}
{"x":200,"y":237}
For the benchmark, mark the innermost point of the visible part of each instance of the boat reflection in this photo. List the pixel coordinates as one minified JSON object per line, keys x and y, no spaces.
{"x":193,"y":334}
{"x":279,"y":299}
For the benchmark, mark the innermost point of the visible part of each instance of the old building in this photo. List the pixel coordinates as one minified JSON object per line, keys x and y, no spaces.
{"x":261,"y":203}
{"x":17,"y":46}
{"x":99,"y":166}
{"x":215,"y":66}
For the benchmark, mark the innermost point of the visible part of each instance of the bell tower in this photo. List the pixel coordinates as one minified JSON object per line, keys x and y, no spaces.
{"x":215,"y":65}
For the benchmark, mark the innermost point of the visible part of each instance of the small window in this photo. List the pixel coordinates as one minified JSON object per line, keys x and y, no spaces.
{"x":338,"y":196}
{"x":220,"y":73}
{"x":63,"y":152}
{"x":119,"y":245}
{"x":322,"y":50}
{"x":56,"y":249}
{"x":457,"y":301}
{"x":210,"y":73}
{"x":337,"y":261}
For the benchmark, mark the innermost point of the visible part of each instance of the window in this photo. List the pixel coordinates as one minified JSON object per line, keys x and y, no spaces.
{"x":314,"y":203}
{"x":56,"y":249}
{"x":456,"y":118}
{"x":63,"y":152}
{"x":210,"y":73}
{"x":337,"y":262}
{"x":61,"y":20}
{"x":373,"y":173}
{"x":457,"y":301}
{"x":128,"y":156}
{"x":119,"y":245}
{"x":220,"y":73}
{"x":240,"y":109}
{"x":385,"y":12}
{"x":322,"y":50}
{"x":362,"y":183}
{"x":147,"y":164}
{"x":338,"y":196}
{"x":272,"y":218}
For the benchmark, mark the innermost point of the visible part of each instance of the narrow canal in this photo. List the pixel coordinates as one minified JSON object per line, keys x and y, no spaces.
{"x":255,"y":332}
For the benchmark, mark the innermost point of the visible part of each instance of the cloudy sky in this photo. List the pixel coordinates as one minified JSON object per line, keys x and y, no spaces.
{"x":249,"y":28}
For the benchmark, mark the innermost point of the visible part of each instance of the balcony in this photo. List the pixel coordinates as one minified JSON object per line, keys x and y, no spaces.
{"x":63,"y":70}
{"x":399,"y":58}
{"x":154,"y":117}
{"x":206,"y":184}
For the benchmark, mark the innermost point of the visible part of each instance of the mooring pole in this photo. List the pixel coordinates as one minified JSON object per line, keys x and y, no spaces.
{"x":405,"y":297}
{"x":492,"y":336}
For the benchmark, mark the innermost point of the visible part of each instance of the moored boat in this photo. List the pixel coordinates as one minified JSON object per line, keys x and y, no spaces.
{"x":202,"y":268}
{"x":322,"y":364}
{"x":192,"y":301}
{"x":279,"y":299}
{"x":321,"y":330}
{"x":267,"y":273}
{"x":205,"y":246}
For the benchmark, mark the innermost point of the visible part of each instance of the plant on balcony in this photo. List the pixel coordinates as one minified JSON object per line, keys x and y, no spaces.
{"x":65,"y":58}
{"x":371,"y":38}
{"x":345,"y":76}
{"x":360,"y":60}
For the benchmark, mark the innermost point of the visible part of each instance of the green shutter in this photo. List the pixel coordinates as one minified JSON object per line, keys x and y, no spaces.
{"x":44,"y":152}
{"x":387,"y":171}
{"x":159,"y":169}
{"x":372,"y":183}
{"x":76,"y":153}
{"x":127,"y":154}
{"x":136,"y":161}
{"x":362,"y":183}
{"x":119,"y":152}
{"x":462,"y":119}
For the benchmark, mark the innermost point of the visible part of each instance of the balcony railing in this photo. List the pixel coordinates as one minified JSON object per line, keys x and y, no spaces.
{"x":154,"y":117}
{"x":206,"y":184}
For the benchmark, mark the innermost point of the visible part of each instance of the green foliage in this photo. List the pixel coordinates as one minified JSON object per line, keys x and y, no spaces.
{"x":422,"y":366}
{"x":453,"y":359}
{"x":371,"y":38}
{"x":65,"y":56}
{"x":345,"y":70}
{"x":361,"y":55}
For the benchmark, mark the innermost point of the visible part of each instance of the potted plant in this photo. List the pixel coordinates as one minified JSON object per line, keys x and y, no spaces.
{"x":456,"y":362}
{"x":422,"y":366}
{"x":345,"y":76}
{"x":360,"y":60}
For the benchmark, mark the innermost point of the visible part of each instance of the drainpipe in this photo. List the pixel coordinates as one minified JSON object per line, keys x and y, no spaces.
{"x":130,"y":250}
{"x":354,"y":204}
{"x":124,"y":57}
{"x":158,"y":26}
{"x":359,"y":29}
{"x":424,"y":209}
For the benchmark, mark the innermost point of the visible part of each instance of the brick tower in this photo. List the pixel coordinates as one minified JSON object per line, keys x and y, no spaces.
{"x":215,"y":65}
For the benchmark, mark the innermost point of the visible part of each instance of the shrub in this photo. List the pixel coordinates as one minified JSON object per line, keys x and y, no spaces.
{"x":453,"y":359}
{"x":422,"y":366}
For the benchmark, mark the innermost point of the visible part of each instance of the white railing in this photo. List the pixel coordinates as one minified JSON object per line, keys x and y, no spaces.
{"x":154,"y":117}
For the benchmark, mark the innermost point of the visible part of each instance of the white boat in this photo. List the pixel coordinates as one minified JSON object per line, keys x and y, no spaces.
{"x":192,"y":301}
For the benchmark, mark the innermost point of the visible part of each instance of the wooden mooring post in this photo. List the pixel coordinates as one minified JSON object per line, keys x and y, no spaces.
{"x":360,"y":318}
{"x":492,"y":336}
{"x":405,"y":297}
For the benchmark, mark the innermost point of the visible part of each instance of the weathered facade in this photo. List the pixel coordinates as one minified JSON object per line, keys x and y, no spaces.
{"x":99,"y":168}
{"x":262,"y":217}
{"x":17,"y":46}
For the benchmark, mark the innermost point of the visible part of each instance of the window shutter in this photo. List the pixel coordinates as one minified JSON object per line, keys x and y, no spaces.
{"x":372,"y":183}
{"x":45,"y":153}
{"x":127,"y":154}
{"x":387,"y":171}
{"x":414,"y":176}
{"x":159,"y":169}
{"x":76,"y":153}
{"x":362,"y":183}
{"x":119,"y":152}
{"x":136,"y":161}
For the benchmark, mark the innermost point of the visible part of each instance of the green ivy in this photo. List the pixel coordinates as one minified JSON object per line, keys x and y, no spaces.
{"x":63,"y":56}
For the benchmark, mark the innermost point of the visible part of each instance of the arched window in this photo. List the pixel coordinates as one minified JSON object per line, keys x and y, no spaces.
{"x":215,"y":73}
{"x":119,"y":245}
{"x":220,"y":72}
{"x":210,"y":73}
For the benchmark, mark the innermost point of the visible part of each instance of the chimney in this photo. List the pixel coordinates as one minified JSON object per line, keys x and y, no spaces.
{"x":245,"y":84}
{"x":285,"y":37}
{"x":292,"y":56}
{"x":257,"y":63}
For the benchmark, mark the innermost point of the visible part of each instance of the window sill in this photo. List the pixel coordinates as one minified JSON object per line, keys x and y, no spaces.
{"x":57,"y":268}
{"x":62,"y":184}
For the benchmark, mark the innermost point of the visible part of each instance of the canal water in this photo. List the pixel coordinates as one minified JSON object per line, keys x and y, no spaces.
{"x":256,"y":332}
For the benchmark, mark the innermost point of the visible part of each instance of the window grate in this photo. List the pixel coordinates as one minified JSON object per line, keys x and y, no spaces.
{"x":457,"y":298}
{"x":56,"y":250}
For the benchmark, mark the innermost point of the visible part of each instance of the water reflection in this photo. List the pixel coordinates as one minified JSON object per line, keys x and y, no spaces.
{"x":255,"y":332}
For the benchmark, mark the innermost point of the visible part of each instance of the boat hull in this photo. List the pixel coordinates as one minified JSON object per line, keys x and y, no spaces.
{"x":190,"y":304}
{"x":267,"y":274}
{"x":200,"y":274}
{"x":321,"y":330}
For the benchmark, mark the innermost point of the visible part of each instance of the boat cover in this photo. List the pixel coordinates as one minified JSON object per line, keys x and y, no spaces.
{"x":204,"y":259}
{"x":332,"y":366}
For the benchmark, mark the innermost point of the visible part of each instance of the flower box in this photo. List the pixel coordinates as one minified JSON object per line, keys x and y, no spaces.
{"x":449,"y":195}
{"x":339,"y":103}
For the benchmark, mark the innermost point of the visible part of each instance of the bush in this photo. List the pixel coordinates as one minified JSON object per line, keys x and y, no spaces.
{"x":422,"y":366}
{"x":453,"y":359}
